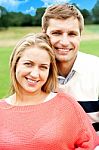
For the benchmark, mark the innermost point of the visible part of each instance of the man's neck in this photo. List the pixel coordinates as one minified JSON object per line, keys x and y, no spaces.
{"x":64,"y":68}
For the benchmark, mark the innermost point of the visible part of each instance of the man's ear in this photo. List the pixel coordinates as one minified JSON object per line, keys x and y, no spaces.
{"x":42,"y":29}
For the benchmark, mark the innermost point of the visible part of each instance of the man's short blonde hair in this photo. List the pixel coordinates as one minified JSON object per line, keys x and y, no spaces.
{"x":62,"y":11}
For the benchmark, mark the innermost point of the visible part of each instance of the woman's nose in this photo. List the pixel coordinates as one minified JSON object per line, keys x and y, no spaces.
{"x":35,"y":72}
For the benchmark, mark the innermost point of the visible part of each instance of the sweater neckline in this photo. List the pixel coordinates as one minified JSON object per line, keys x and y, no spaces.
{"x":6,"y":106}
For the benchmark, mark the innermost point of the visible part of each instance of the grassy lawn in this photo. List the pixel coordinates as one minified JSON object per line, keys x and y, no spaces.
{"x":8,"y":39}
{"x":90,"y":47}
{"x":17,"y":32}
{"x":4,"y":70}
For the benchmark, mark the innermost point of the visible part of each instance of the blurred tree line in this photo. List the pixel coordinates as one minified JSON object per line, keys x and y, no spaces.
{"x":8,"y":19}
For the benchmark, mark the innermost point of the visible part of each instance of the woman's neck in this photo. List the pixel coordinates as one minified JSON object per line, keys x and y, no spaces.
{"x":27,"y":99}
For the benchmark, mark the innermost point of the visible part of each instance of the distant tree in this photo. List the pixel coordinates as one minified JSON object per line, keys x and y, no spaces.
{"x":15,"y":19}
{"x":38,"y":16}
{"x":87,"y":16}
{"x":3,"y":17}
{"x":95,"y":12}
{"x":3,"y":11}
{"x":26,"y":20}
{"x":20,"y":19}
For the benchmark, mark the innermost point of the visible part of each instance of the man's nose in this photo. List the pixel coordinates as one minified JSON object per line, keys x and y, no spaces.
{"x":64,"y":40}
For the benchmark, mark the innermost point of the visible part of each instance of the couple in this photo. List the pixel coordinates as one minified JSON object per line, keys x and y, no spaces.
{"x":34,"y":117}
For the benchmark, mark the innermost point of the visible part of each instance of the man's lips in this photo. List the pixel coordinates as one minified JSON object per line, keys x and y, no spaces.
{"x":63,"y":50}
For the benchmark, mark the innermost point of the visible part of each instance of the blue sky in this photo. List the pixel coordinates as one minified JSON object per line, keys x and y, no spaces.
{"x":30,"y":6}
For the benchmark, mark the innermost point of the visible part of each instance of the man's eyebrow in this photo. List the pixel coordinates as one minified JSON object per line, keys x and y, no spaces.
{"x":55,"y":30}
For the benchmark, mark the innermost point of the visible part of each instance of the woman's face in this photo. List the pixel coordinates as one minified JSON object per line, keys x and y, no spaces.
{"x":32,"y":70}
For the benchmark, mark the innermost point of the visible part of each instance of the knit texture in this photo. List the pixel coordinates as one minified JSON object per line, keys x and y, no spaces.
{"x":58,"y":124}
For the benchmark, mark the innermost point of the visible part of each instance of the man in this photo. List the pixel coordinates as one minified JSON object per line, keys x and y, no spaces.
{"x":78,"y":72}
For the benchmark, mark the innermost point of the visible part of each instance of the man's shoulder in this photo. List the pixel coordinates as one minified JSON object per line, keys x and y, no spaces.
{"x":87,"y":63}
{"x":88,"y":60}
{"x":88,"y":56}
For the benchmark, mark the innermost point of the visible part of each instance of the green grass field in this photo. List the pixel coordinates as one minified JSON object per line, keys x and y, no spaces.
{"x":8,"y":39}
{"x":90,"y":47}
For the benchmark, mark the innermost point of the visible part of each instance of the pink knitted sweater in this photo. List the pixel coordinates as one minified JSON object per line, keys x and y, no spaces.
{"x":58,"y":124}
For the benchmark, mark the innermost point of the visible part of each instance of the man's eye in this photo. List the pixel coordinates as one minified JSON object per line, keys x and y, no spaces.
{"x":73,"y":34}
{"x":56,"y":33}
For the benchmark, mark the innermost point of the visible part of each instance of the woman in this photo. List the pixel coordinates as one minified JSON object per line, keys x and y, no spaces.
{"x":33,"y":117}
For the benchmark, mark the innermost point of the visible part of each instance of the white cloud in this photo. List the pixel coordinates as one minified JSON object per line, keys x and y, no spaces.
{"x":49,"y":2}
{"x":78,"y":5}
{"x":11,"y":4}
{"x":31,"y":11}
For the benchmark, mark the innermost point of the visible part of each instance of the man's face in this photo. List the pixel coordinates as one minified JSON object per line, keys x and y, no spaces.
{"x":65,"y":38}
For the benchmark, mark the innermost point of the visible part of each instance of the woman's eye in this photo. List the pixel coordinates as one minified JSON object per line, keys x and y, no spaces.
{"x":28,"y":64}
{"x":44,"y":67}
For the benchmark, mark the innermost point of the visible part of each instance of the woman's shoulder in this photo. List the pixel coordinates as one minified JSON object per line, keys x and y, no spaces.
{"x":70,"y":102}
{"x":2,"y":100}
{"x":2,"y":103}
{"x":67,"y":97}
